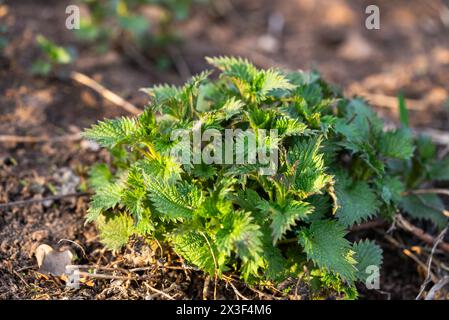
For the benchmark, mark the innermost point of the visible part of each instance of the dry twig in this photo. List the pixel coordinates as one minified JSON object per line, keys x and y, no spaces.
{"x":419,"y":233}
{"x":105,"y":93}
{"x":438,"y":286}
{"x":409,"y":254}
{"x":429,"y":191}
{"x":206,"y":287}
{"x":237,"y":292}
{"x":439,"y":240}
{"x":368,"y":225}
{"x":159,"y":291}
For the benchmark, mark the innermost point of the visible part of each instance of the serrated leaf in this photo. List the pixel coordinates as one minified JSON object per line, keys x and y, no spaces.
{"x":274,"y":259}
{"x":368,"y":255}
{"x":425,"y":206}
{"x":439,"y":170}
{"x":107,"y":197}
{"x":357,"y":202}
{"x":308,"y":165}
{"x":290,"y":127}
{"x":232,"y":107}
{"x":110,"y":133}
{"x":391,"y":189}
{"x":162,"y":93}
{"x":116,"y":230}
{"x":283,"y":219}
{"x":170,"y":201}
{"x":397,"y":144}
{"x":195,"y":249}
{"x":99,"y":176}
{"x":240,"y":233}
{"x":325,"y":244}
{"x":234,"y":67}
{"x":272,"y":80}
{"x":135,"y":195}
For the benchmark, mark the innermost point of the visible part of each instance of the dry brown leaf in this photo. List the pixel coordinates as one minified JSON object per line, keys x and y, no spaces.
{"x":51,"y":261}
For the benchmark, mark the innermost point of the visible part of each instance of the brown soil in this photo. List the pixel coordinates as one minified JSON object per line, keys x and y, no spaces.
{"x":410,"y":54}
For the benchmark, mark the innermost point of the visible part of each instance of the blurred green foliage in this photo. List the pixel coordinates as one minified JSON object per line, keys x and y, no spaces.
{"x":53,"y":56}
{"x":111,"y":20}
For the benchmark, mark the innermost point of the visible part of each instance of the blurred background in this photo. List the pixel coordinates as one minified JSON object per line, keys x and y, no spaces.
{"x":143,"y":42}
{"x":125,"y":45}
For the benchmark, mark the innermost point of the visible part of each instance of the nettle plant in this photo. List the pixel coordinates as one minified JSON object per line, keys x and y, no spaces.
{"x":336,"y":167}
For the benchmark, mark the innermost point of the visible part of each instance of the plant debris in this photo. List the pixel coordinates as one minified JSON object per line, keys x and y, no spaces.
{"x":53,"y":262}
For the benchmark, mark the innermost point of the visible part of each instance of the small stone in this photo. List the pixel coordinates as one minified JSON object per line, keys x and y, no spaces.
{"x":39,"y":235}
{"x":89,"y":145}
{"x":4,"y":246}
{"x":268,"y":43}
{"x":356,"y":48}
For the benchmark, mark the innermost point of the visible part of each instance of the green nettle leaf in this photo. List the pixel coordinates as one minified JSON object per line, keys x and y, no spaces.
{"x":426,"y":148}
{"x":106,"y":197}
{"x":325,"y":244}
{"x":333,"y":168}
{"x":272,"y":80}
{"x":110,"y":133}
{"x":99,"y":176}
{"x":274,"y":260}
{"x":135,"y":195}
{"x":234,"y":67}
{"x":305,"y":157}
{"x":440,"y":170}
{"x":162,"y":93}
{"x":232,"y":107}
{"x":195,"y":248}
{"x":425,"y":206}
{"x":116,"y":230}
{"x":397,"y":144}
{"x":368,"y":256}
{"x":391,"y":189}
{"x":239,"y":231}
{"x":356,"y":201}
{"x":290,"y":127}
{"x":285,"y":218}
{"x":169,"y":200}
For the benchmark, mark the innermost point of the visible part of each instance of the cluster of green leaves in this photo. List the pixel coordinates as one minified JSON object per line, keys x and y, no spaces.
{"x":53,"y":56}
{"x":337,"y":167}
{"x":110,"y":20}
